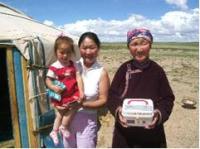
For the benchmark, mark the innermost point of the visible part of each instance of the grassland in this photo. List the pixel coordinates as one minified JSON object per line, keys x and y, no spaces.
{"x":181,"y":64}
{"x":156,"y":45}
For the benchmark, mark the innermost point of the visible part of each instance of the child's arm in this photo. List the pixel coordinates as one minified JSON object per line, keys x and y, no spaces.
{"x":51,"y":86}
{"x":80,"y":85}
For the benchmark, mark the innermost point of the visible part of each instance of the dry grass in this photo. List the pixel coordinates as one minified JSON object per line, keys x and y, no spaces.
{"x":181,"y":66}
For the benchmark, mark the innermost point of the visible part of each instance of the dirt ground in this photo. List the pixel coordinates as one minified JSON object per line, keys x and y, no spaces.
{"x":181,"y":67}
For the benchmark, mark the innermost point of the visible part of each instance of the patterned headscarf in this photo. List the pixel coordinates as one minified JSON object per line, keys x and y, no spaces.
{"x":139,"y":32}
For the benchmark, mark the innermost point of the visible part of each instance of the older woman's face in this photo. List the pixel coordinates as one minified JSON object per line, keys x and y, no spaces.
{"x":89,"y":51}
{"x":139,"y":49}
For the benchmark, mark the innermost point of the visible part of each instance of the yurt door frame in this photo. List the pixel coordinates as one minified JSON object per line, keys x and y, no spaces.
{"x":16,"y":141}
{"x":23,"y":135}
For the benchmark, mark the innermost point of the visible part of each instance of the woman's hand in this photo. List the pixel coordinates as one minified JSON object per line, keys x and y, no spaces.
{"x":156,"y":117}
{"x":61,"y":107}
{"x":75,"y":105}
{"x":121,"y":119}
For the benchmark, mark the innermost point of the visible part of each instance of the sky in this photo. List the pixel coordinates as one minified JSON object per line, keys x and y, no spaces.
{"x":168,"y":20}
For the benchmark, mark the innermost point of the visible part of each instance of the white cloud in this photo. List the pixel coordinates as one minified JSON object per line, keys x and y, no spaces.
{"x":172,"y":26}
{"x":181,"y":25}
{"x":179,"y":3}
{"x":49,"y":23}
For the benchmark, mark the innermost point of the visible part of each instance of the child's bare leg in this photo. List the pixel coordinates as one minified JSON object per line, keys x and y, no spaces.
{"x":58,"y":119}
{"x":66,"y":122}
{"x":57,"y":122}
{"x":68,"y":117}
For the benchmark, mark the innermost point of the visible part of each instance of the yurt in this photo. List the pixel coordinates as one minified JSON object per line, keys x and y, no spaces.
{"x":25,"y":51}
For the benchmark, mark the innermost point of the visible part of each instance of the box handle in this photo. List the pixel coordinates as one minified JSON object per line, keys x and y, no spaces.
{"x":141,"y":100}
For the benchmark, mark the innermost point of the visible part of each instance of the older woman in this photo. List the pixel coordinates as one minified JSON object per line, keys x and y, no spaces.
{"x":148,"y":81}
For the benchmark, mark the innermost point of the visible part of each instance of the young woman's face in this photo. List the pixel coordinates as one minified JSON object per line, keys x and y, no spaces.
{"x":139,"y":49}
{"x":63,"y":53}
{"x":89,"y":51}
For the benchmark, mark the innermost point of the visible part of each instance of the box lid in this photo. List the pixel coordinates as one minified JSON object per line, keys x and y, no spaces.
{"x":137,"y":107}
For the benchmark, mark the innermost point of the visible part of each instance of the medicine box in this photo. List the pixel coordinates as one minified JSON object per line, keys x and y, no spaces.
{"x":138,"y":111}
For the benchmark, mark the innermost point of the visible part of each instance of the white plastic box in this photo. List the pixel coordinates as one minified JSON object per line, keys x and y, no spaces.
{"x":138,"y":111}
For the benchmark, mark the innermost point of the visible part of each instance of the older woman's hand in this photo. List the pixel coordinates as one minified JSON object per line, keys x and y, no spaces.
{"x":121,"y":119}
{"x":156,"y":119}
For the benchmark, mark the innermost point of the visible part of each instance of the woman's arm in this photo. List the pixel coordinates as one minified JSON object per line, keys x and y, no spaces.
{"x":117,"y":87}
{"x":166,"y":101}
{"x":104,"y":85}
{"x":80,"y":84}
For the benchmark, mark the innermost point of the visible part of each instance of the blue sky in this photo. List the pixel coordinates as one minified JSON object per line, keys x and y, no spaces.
{"x":168,"y":20}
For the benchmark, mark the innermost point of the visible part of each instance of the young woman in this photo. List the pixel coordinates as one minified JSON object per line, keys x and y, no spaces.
{"x":96,"y":84}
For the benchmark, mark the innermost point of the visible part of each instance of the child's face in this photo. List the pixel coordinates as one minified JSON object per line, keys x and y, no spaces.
{"x":64,"y":53}
{"x":139,"y":49}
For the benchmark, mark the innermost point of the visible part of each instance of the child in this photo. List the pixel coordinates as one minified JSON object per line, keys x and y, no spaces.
{"x":64,"y":71}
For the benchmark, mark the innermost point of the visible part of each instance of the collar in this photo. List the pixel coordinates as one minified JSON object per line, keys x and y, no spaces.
{"x":58,"y":64}
{"x":142,"y":65}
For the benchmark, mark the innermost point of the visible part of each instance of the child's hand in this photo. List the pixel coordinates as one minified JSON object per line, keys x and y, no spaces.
{"x":57,"y":89}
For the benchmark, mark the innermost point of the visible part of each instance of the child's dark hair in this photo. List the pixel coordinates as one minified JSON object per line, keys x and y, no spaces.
{"x":64,"y":39}
{"x":90,"y":35}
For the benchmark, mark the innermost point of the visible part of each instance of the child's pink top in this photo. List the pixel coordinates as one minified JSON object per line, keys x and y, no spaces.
{"x":66,"y":75}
